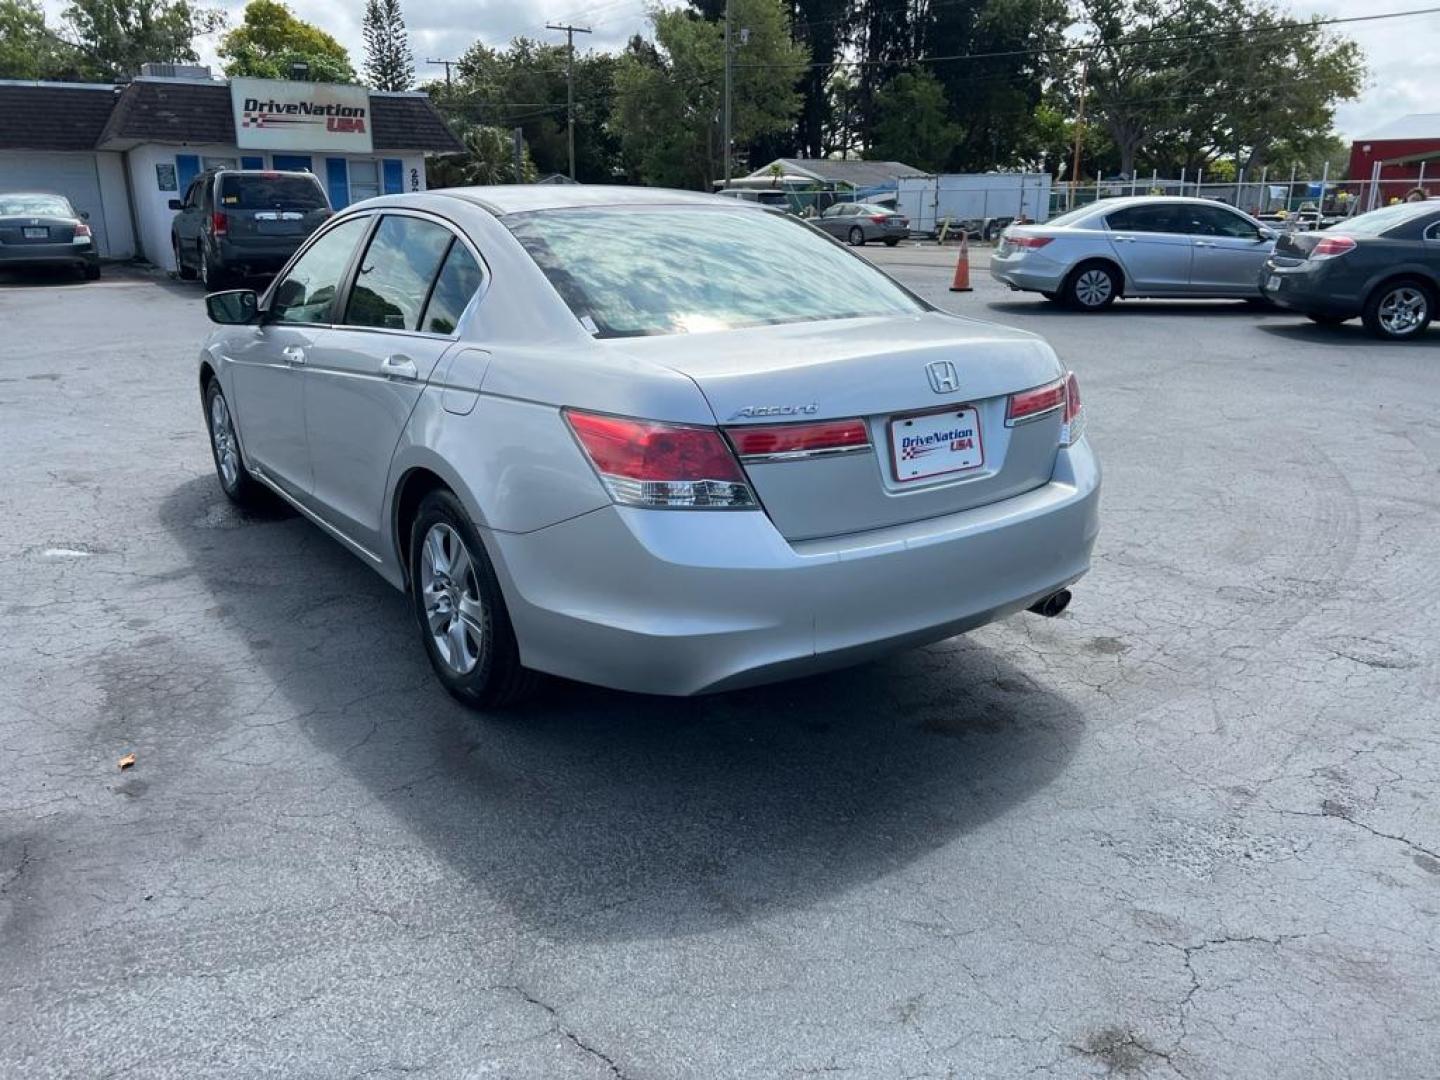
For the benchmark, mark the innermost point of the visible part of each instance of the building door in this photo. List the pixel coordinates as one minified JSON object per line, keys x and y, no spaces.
{"x":73,"y":175}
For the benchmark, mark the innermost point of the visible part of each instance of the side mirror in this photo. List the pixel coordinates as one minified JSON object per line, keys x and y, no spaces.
{"x":175,"y":204}
{"x":84,"y":215}
{"x":1266,"y":233}
{"x":234,"y":307}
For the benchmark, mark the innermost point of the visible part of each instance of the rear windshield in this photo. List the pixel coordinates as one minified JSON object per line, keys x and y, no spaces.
{"x":47,"y":205}
{"x":630,"y":271}
{"x":1386,"y":218}
{"x":275,"y":191}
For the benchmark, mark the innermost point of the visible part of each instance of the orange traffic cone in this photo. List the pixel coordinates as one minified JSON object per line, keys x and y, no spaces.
{"x":962,"y":267}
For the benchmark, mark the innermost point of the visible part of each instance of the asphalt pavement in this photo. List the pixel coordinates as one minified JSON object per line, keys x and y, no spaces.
{"x":1188,"y":829}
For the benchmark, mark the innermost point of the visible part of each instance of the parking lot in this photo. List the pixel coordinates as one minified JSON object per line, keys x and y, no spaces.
{"x":1187,"y":829}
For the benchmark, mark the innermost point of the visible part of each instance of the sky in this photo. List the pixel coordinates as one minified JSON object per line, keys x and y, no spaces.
{"x":1403,"y":54}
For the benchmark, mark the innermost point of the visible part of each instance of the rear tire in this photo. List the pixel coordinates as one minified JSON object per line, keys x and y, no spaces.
{"x":183,"y":272}
{"x":1091,"y":287}
{"x":213,"y":276}
{"x":92,"y":271}
{"x":464,"y":625}
{"x":857,"y":236}
{"x":1399,"y":310}
{"x":891,"y":242}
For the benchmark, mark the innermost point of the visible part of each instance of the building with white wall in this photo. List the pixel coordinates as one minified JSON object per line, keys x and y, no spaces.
{"x":121,"y":153}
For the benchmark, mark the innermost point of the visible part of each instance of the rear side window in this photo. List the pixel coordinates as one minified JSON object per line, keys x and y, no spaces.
{"x":271,"y":191}
{"x":308,"y":290}
{"x":459,"y":280}
{"x":1156,"y":218}
{"x":396,"y":272}
{"x":48,"y":205}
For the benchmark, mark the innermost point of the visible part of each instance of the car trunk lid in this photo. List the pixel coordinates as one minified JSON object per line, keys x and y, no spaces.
{"x":931,"y":390}
{"x":32,"y":229}
{"x":260,"y":207}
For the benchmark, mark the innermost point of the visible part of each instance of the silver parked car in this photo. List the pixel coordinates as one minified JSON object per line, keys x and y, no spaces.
{"x":653,"y":440}
{"x":859,"y":223}
{"x":1145,"y":246}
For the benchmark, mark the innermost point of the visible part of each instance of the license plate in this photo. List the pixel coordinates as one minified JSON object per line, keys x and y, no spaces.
{"x":32,"y":232}
{"x":277,"y":228}
{"x":935,"y":443}
{"x":1273,"y":284}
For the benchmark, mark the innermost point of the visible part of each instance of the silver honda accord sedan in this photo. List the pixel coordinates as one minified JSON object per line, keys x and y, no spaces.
{"x":1143,"y":246}
{"x":647,"y":439}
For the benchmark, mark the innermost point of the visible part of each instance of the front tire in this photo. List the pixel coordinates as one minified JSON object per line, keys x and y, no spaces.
{"x":464,"y":624}
{"x":1399,"y":310}
{"x":1091,"y":287}
{"x":857,"y":236}
{"x":235,"y":480}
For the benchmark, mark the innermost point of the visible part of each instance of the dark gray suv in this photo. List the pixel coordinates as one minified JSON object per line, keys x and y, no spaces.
{"x":240,"y":222}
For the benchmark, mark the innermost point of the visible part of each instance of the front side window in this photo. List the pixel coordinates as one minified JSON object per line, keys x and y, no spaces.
{"x":307,"y":292}
{"x":459,"y":280}
{"x":396,"y":272}
{"x":636,"y":270}
{"x":1213,"y":221}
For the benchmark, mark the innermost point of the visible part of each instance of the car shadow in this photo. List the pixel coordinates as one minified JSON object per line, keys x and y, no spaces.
{"x":1346,"y":334}
{"x":1137,"y":308}
{"x":592,"y":814}
{"x":41,"y":277}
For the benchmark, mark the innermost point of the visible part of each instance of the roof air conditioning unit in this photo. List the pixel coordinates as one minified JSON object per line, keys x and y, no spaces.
{"x":199,"y":72}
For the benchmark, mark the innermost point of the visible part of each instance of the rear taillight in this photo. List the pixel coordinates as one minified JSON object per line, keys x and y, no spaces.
{"x":879,"y":219}
{"x":1028,"y":404}
{"x":219,"y":223}
{"x":1030,"y":242}
{"x":646,"y":463}
{"x":82,"y":229}
{"x":777,"y":442}
{"x":1062,"y":394}
{"x":1074,"y":414}
{"x":1332,"y":246}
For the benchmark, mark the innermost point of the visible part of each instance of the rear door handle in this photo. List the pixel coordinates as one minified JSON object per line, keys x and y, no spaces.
{"x":293,"y":354}
{"x":1203,"y":243}
{"x":398,"y":367}
{"x":1124,"y":239}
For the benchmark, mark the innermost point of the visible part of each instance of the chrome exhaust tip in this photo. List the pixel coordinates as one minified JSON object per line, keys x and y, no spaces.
{"x":1052,"y":605}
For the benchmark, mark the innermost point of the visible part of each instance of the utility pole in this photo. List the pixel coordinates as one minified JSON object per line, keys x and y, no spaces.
{"x":570,"y":32}
{"x":1080,"y":131}
{"x":517,"y":136}
{"x":725,"y":124}
{"x":446,"y":64}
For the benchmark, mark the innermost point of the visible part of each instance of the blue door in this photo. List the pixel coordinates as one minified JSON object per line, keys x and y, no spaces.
{"x":291,"y":162}
{"x":187,"y":167}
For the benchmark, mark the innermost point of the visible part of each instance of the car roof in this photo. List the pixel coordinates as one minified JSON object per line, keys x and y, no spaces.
{"x":44,"y":194}
{"x":522,"y":198}
{"x":1105,"y":205}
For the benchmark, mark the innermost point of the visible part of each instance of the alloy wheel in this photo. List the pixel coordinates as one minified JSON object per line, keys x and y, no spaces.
{"x":1093,"y":288}
{"x":1402,"y":311}
{"x":450,"y":592}
{"x":222,"y":433}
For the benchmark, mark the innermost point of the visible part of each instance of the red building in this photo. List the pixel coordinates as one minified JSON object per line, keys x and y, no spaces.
{"x":1407,"y":152}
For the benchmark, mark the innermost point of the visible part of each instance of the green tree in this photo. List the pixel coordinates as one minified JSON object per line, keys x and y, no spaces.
{"x":912,"y":122}
{"x":1189,"y":84}
{"x":28,"y":47}
{"x":488,"y":158}
{"x":270,"y":38}
{"x":668,"y":107}
{"x":114,"y":37}
{"x":389,"y":63}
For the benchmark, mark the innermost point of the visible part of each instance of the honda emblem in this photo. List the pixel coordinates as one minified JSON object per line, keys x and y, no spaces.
{"x":943,"y":378}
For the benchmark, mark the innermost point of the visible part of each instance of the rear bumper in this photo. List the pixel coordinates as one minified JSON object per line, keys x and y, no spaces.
{"x":1313,"y":290}
{"x":1029,"y":270}
{"x":48,"y":254}
{"x":258,"y":254}
{"x":676,"y":602}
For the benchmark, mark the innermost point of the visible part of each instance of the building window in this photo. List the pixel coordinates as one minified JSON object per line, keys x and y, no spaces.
{"x":364,"y":180}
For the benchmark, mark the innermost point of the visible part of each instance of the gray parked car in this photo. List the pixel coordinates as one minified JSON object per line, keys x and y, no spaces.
{"x":236,"y":222}
{"x":40,"y":229}
{"x":1383,"y":266}
{"x":859,"y":223}
{"x":1163,"y":247}
{"x":653,"y":440}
